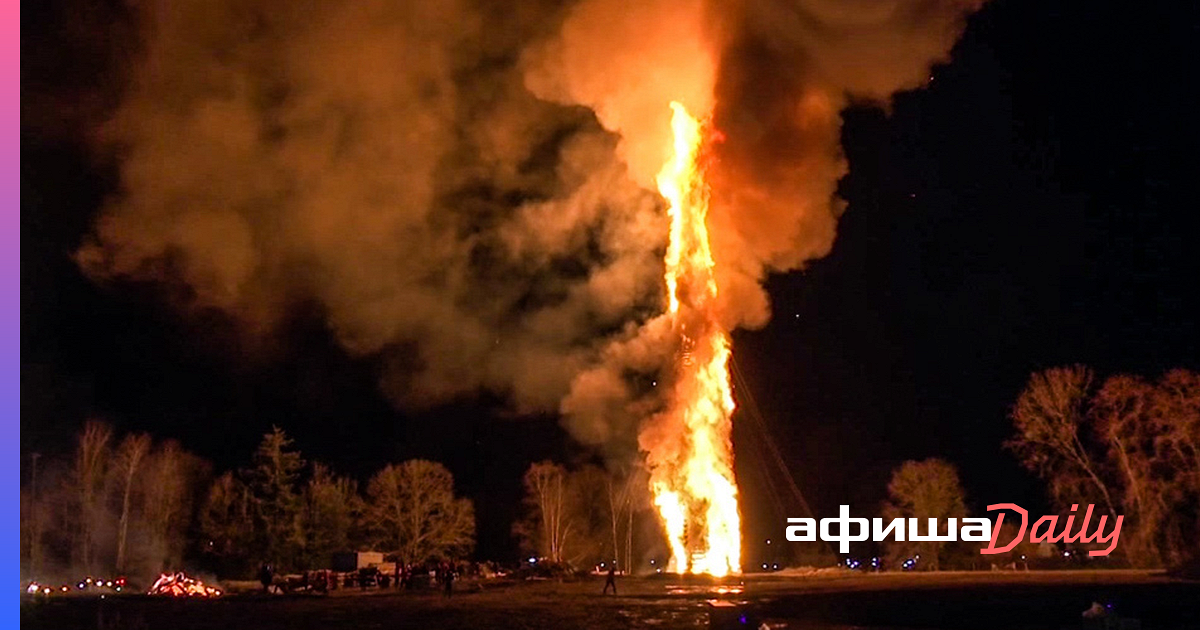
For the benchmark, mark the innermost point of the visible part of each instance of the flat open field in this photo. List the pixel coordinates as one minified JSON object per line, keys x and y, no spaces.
{"x":1025,"y":600}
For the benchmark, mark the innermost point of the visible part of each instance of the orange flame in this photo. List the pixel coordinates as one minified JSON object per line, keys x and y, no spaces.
{"x":691,"y":464}
{"x":180,"y":585}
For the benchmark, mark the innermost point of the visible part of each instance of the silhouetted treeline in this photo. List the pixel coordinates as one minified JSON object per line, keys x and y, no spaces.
{"x":584,"y":517}
{"x":1130,"y":445}
{"x":130,"y":506}
{"x":122,"y":505}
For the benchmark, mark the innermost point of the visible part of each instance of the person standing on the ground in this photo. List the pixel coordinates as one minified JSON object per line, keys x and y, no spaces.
{"x":448,"y":581}
{"x":611,"y":580}
{"x":266,"y":575}
{"x":363,"y":573}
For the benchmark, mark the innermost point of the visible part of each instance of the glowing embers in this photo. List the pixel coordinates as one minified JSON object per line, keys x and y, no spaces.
{"x":180,"y":585}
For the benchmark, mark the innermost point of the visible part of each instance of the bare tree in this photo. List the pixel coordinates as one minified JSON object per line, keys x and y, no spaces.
{"x":412,"y":510}
{"x":637,"y":499}
{"x":578,"y":517}
{"x":1119,"y":410}
{"x":546,"y":496}
{"x":1133,"y":444}
{"x":167,"y":486}
{"x":1151,"y":436}
{"x":1048,"y":417}
{"x":90,"y":459}
{"x":50,"y":520}
{"x":1175,"y":412}
{"x":618,"y":503}
{"x":587,"y":510}
{"x":33,"y":520}
{"x":128,"y":461}
{"x":626,"y":491}
{"x":1175,"y":417}
{"x":227,"y":524}
{"x":926,"y":489}
{"x":331,"y":506}
{"x":31,"y":531}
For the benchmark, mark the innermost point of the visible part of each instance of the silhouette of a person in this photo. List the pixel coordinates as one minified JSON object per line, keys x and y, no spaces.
{"x":611,"y":580}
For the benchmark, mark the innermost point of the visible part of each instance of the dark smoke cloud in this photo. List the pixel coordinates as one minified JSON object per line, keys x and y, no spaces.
{"x":467,"y":189}
{"x":385,"y":160}
{"x":787,"y":69}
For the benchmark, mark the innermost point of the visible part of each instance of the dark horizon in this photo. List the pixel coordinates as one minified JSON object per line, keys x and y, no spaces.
{"x":1030,"y":208}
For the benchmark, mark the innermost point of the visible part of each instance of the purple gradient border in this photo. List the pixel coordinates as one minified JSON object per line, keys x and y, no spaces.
{"x":10,"y":308}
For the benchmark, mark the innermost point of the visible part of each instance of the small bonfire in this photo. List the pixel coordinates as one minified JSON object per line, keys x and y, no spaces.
{"x":180,"y":585}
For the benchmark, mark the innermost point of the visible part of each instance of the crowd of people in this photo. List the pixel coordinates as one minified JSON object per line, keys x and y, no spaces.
{"x":401,"y":576}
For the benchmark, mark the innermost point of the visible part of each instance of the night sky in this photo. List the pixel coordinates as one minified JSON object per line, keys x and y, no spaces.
{"x":1033,"y":207}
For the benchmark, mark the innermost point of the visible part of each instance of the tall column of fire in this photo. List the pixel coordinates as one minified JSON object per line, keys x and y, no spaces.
{"x":688,"y":446}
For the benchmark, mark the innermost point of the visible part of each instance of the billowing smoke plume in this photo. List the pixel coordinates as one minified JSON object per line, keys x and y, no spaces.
{"x":466,"y":189}
{"x":385,"y":160}
{"x":773,"y":77}
{"x":787,"y":69}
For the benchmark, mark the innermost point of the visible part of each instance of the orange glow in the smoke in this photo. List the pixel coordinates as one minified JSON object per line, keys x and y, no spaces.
{"x":692,"y":468}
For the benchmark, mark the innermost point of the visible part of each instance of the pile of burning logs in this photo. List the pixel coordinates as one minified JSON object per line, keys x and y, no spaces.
{"x":180,"y":585}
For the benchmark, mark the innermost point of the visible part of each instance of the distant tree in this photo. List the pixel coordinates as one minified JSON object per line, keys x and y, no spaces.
{"x":926,"y":489}
{"x":1126,"y":447}
{"x":549,"y":525}
{"x":1132,"y":444}
{"x":1152,"y":449}
{"x":1174,"y":417}
{"x":330,"y":508}
{"x":91,"y":457}
{"x":589,"y":510}
{"x":635,"y":489}
{"x":34,"y":517}
{"x":168,"y":486}
{"x":31,"y":532}
{"x":274,"y":485}
{"x":1049,"y":417}
{"x":52,"y":522}
{"x":128,"y":508}
{"x":620,"y":492}
{"x":129,"y":457}
{"x":412,"y":511}
{"x":227,"y":525}
{"x":578,"y":517}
